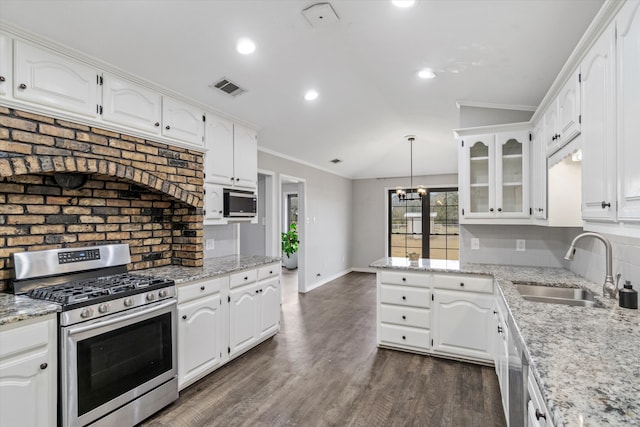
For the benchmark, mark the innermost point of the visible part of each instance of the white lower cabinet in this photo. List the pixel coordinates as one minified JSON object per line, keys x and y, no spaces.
{"x":28,"y":373}
{"x":202,"y":325}
{"x":444,"y":314}
{"x":223,"y":317}
{"x":501,"y":350}
{"x":537,"y":413}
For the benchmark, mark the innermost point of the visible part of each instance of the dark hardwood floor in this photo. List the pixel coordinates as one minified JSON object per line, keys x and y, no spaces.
{"x":324,"y":369}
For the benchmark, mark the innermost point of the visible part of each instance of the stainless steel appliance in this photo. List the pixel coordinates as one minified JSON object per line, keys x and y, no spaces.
{"x":239,"y":204}
{"x":117,"y":333}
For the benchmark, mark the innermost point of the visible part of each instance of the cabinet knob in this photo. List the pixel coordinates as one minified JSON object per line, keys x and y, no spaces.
{"x":167,"y":127}
{"x":540,"y":210}
{"x":270,"y":271}
{"x":404,"y":298}
{"x":2,"y":78}
{"x":156,"y":124}
{"x":540,"y":414}
{"x":237,"y":179}
{"x":495,"y":312}
{"x":43,"y":366}
{"x":605,"y":205}
{"x":232,"y":179}
{"x":499,"y":209}
{"x":184,"y":317}
{"x":404,"y":317}
{"x":22,"y":86}
{"x":462,"y":284}
{"x":257,"y":291}
{"x":202,"y":288}
{"x":404,"y":279}
{"x":404,"y":338}
{"x":553,"y":138}
{"x":246,"y":278}
{"x":499,"y":329}
{"x":490,"y":209}
{"x":558,"y":136}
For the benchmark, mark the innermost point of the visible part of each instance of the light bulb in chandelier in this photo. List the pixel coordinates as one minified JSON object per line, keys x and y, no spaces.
{"x":422,"y":191}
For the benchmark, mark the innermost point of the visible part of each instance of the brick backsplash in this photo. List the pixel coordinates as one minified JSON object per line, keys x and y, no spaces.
{"x":137,"y":191}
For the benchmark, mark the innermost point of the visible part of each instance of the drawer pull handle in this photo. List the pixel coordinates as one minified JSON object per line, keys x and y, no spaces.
{"x":461,"y":284}
{"x":404,"y":317}
{"x":540,"y":414}
{"x":43,"y":366}
{"x":404,"y":338}
{"x":202,"y":288}
{"x":404,"y":298}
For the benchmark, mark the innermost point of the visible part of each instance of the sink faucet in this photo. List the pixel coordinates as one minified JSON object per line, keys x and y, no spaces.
{"x":609,"y":289}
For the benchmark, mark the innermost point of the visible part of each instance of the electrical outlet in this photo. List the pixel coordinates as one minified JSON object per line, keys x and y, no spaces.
{"x":475,"y":244}
{"x":520,"y":245}
{"x":209,"y":244}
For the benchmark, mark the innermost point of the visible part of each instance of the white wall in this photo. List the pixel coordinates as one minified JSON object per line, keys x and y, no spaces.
{"x":328,"y":217}
{"x":369,"y":213}
{"x":225,"y":238}
{"x":253,"y":236}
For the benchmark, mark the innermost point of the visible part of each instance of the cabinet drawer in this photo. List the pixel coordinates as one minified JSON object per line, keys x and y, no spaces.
{"x":408,"y":316}
{"x":267,"y":271}
{"x":201,"y":288}
{"x":405,"y":295}
{"x":412,"y":279}
{"x":243,"y":278}
{"x":24,"y":338}
{"x":459,"y":282}
{"x":405,"y":336}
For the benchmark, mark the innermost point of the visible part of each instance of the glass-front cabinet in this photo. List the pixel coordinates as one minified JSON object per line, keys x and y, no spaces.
{"x":494,"y":171}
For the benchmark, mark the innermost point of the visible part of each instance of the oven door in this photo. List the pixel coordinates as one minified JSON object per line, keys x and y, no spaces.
{"x":114,"y":360}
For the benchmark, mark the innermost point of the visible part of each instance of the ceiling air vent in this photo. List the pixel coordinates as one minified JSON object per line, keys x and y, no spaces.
{"x":228,"y":87}
{"x":335,"y":161}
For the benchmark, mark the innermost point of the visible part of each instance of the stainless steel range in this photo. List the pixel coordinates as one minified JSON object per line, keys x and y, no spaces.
{"x":117,"y":334}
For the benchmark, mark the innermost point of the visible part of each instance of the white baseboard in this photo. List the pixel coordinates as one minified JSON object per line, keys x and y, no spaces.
{"x":364,"y":270}
{"x":327,"y":280}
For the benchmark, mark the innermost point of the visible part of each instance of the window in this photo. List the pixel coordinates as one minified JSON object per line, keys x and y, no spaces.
{"x":435,"y":216}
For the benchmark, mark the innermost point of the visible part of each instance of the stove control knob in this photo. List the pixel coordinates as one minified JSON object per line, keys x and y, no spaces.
{"x":87,"y":312}
{"x":151,"y":297}
{"x":128,"y":302}
{"x":163,"y":293}
{"x":103,"y":308}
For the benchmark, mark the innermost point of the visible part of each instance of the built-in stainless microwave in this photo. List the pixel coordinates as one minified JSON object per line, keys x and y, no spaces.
{"x":240,"y":204}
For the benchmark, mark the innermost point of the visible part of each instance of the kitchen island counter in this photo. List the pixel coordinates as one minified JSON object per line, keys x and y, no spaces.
{"x":584,"y":359}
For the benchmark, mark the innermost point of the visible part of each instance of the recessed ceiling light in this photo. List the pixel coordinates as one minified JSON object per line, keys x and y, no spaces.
{"x":245,"y":46}
{"x":426,"y":74}
{"x":310,"y":95}
{"x":403,"y":3}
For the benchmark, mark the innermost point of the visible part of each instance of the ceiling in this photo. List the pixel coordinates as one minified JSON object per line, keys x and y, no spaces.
{"x":364,"y":67}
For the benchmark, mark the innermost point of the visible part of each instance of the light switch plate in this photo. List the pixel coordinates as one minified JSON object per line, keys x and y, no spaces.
{"x":209,"y":244}
{"x":521,"y":245}
{"x":475,"y":244}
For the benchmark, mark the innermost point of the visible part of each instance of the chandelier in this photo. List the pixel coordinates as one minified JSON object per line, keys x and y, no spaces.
{"x":421,"y":190}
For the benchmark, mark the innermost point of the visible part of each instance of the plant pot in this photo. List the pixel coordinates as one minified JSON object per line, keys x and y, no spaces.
{"x":290,"y":262}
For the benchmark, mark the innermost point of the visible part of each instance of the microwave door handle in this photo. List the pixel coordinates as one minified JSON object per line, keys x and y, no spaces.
{"x":119,"y":319}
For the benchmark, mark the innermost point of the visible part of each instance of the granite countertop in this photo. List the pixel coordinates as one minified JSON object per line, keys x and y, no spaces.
{"x":212,"y":267}
{"x":585,"y":359}
{"x":14,"y":308}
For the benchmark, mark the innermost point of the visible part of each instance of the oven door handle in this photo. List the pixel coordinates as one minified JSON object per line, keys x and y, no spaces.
{"x":119,"y":319}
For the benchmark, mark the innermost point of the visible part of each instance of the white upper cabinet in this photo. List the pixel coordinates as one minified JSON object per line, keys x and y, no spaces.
{"x":538,"y":172}
{"x":182,"y":121}
{"x":128,"y":104}
{"x":562,"y":118}
{"x":628,"y":110}
{"x":232,"y":154}
{"x":55,"y":81}
{"x":495,"y":175}
{"x":213,"y":203}
{"x":598,"y":130}
{"x":6,"y":61}
{"x":218,"y":165}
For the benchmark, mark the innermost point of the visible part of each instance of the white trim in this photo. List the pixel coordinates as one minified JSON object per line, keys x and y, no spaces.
{"x":481,"y":130}
{"x":302,"y":224}
{"x":300,"y":161}
{"x":514,"y":107}
{"x":326,"y":280}
{"x":272,"y":241}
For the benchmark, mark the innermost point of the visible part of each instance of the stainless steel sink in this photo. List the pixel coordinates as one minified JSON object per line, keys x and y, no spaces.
{"x":532,"y":291}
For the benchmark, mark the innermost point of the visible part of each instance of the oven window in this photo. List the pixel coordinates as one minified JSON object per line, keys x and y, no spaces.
{"x":116,"y":362}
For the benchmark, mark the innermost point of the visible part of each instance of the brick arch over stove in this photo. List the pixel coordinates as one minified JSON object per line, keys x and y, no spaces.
{"x":140,"y":192}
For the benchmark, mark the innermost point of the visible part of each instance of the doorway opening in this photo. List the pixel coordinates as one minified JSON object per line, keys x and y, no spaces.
{"x":292,"y":190}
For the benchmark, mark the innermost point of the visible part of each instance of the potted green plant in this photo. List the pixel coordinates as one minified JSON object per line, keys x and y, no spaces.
{"x":290,"y":247}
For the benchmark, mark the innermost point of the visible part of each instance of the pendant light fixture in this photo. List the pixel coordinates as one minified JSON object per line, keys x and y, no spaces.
{"x":421,"y":190}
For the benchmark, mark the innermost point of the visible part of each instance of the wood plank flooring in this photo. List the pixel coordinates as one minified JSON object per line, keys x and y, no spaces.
{"x":324,"y":369}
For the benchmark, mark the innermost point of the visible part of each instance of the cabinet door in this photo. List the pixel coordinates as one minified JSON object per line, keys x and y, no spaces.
{"x":551,"y":135}
{"x":512,"y":172}
{"x":243,"y":318}
{"x":245,"y":163}
{"x":218,"y":163}
{"x":269,"y":306}
{"x":48,"y":79}
{"x":628,"y":95}
{"x":539,"y":172}
{"x":128,"y":104}
{"x":200,"y":333}
{"x":478,"y":154}
{"x":6,"y":60}
{"x":569,"y":110}
{"x":462,"y":324}
{"x":598,"y":131}
{"x":28,"y":375}
{"x":213,"y":202}
{"x":182,"y":121}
